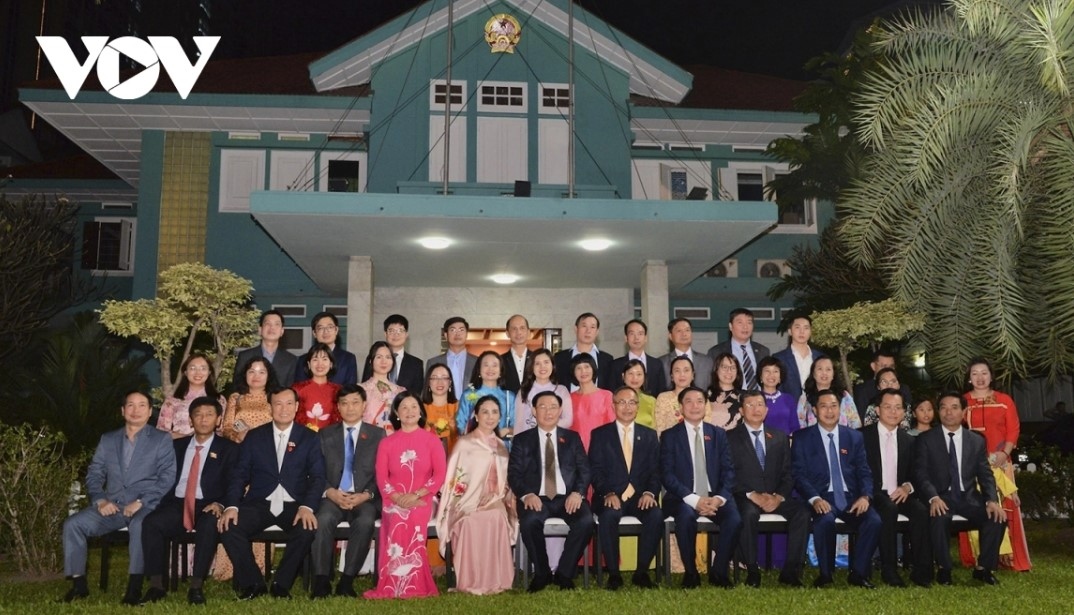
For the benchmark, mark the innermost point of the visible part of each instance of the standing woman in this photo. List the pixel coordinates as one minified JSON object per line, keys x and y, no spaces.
{"x":380,"y":391}
{"x":725,"y":391}
{"x":668,"y":412}
{"x":487,"y":379}
{"x":634,"y":377}
{"x":782,"y":407}
{"x":410,"y":470}
{"x":477,"y":515}
{"x":592,"y":406}
{"x":441,"y":405}
{"x":196,"y":379}
{"x":317,"y":396}
{"x":994,"y":415}
{"x":822,"y":376}
{"x":248,"y":407}
{"x":540,"y":376}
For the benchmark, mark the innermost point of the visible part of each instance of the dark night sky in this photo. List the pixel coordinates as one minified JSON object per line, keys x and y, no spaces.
{"x":774,"y":37}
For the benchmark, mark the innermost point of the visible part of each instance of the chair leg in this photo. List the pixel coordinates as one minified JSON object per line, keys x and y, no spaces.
{"x":106,"y":557}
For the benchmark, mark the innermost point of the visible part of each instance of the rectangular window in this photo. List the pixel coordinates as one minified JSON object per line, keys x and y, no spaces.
{"x":339,"y":311}
{"x":344,"y":175}
{"x":108,"y":245}
{"x":291,"y":311}
{"x":751,"y":187}
{"x":438,"y":91}
{"x":677,"y":182}
{"x":241,"y":172}
{"x":555,"y":98}
{"x":763,"y":313}
{"x":502,"y":98}
{"x":693,"y":313}
{"x":747,"y":181}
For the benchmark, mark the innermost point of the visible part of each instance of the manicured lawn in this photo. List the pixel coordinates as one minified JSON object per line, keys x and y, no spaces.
{"x":1049,"y":588}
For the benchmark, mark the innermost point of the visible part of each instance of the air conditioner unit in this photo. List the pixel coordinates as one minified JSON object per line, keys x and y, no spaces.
{"x":772,"y":268}
{"x":725,"y":269}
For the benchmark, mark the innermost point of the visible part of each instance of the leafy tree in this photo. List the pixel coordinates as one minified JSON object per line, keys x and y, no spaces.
{"x":192,"y":298}
{"x":967,"y":201}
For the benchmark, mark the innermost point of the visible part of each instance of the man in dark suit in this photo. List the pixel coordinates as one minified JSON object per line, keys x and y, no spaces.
{"x":801,"y":330}
{"x":953,"y":476}
{"x":681,"y":335}
{"x":549,"y":472}
{"x":740,"y":344}
{"x":890,"y":452}
{"x":350,"y":451}
{"x":325,"y":327}
{"x":409,"y":371}
{"x":518,"y":355}
{"x":278,"y":480}
{"x":283,"y":362}
{"x":132,"y":468}
{"x":698,"y":475}
{"x":832,"y":474}
{"x":625,"y":458}
{"x":193,"y":503}
{"x":637,"y":337}
{"x":865,"y":392}
{"x":586,"y":330}
{"x":763,"y":484}
{"x":459,"y":362}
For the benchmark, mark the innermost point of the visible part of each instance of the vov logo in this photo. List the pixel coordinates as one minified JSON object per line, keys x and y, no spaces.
{"x":159,"y":50}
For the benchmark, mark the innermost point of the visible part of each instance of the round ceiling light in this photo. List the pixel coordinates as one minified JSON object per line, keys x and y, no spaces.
{"x":505,"y":278}
{"x":435,"y":243}
{"x":595,"y":245}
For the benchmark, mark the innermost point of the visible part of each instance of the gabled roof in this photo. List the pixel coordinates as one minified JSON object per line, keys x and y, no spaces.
{"x":650,"y":74}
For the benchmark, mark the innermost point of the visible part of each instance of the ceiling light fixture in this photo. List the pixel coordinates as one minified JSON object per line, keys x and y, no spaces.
{"x":595,"y":245}
{"x":435,"y":243}
{"x":505,"y":278}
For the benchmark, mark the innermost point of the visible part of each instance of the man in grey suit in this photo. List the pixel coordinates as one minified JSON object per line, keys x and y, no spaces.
{"x":271,"y":330}
{"x":350,"y":452}
{"x":459,"y":362}
{"x":132,"y":468}
{"x":740,"y":344}
{"x":681,"y":334}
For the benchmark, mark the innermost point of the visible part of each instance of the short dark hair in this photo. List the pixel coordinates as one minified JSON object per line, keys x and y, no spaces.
{"x":320,"y":315}
{"x":636,"y":321}
{"x":454,"y":320}
{"x":961,"y":400}
{"x":396,"y":319}
{"x":739,"y":312}
{"x":747,"y":394}
{"x":266,"y":314}
{"x":880,"y":374}
{"x":279,"y":390}
{"x":349,"y":388}
{"x":137,"y":392}
{"x":883,"y":352}
{"x":537,"y":397}
{"x":393,"y":417}
{"x":205,"y":400}
{"x":321,"y":347}
{"x":583,"y":316}
{"x":634,"y":363}
{"x":584,"y":357}
{"x":823,"y":393}
{"x":675,"y":321}
{"x":682,"y":393}
{"x":885,"y":392}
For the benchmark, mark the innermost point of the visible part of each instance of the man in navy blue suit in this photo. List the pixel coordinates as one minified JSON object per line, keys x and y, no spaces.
{"x":695,"y":459}
{"x":194,"y":503}
{"x":798,"y":356}
{"x":832,"y":473}
{"x":549,"y":472}
{"x":281,"y":470}
{"x":625,"y":458}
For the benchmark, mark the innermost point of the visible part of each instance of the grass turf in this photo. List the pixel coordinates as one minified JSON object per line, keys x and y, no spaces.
{"x":1049,"y":588}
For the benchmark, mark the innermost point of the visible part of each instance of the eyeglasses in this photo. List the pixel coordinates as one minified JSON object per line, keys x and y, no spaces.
{"x":326,"y":328}
{"x":395,"y":331}
{"x":197,"y":368}
{"x":628,"y":403}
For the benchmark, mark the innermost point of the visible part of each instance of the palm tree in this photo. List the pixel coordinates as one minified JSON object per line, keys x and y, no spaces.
{"x":967,"y":199}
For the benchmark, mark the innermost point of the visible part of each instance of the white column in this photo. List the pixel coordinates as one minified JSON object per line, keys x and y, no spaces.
{"x":360,"y":306}
{"x":655,"y":306}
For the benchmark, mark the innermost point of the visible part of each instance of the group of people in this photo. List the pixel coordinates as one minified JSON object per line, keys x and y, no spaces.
{"x":487,"y":448}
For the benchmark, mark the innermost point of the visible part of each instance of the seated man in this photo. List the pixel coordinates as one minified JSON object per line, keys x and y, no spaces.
{"x":350,"y":452}
{"x":890,"y":451}
{"x":698,"y":478}
{"x":625,"y":458}
{"x":131,"y":470}
{"x":549,"y":471}
{"x":194,"y":503}
{"x":763,"y":484}
{"x":953,"y":476}
{"x":279,"y":480}
{"x":832,"y":473}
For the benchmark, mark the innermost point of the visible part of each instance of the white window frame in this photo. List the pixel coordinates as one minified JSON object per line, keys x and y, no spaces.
{"x":291,"y":170}
{"x":768,"y":171}
{"x":649,"y":178}
{"x":557,"y":111}
{"x":327,"y":156}
{"x":241,"y":172}
{"x":128,"y":229}
{"x":482,"y":107}
{"x":493,"y":156}
{"x":435,"y":106}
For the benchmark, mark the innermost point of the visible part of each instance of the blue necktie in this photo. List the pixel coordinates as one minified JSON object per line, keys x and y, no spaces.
{"x":837,"y":477}
{"x":346,"y":483}
{"x":758,"y":447}
{"x":952,"y":460}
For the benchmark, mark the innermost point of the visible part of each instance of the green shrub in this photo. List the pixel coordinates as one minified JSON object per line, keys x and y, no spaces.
{"x":35,"y":487}
{"x":1048,"y":491}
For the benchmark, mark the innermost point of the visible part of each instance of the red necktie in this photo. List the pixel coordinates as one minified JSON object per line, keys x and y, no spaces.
{"x":191,"y":489}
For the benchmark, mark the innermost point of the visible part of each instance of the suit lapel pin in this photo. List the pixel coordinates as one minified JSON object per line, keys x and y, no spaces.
{"x":842,"y":451}
{"x":212,"y":455}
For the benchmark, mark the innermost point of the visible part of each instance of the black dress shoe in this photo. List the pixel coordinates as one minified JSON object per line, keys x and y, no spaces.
{"x":719,"y":580}
{"x":822,"y":581}
{"x":753,"y":577}
{"x":984,"y":575}
{"x":892,"y":578}
{"x":943,"y":576}
{"x":563,"y":582}
{"x":920,"y":580}
{"x":279,"y":592}
{"x":641,"y":579}
{"x":538,"y":583}
{"x":75,"y":593}
{"x":131,"y":599}
{"x":322,"y":588}
{"x":691,"y":580}
{"x":790,"y":581}
{"x":615,"y":581}
{"x":346,"y":591}
{"x":249,"y":593}
{"x":857,"y":580}
{"x":195,"y":595}
{"x":153,"y":594}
